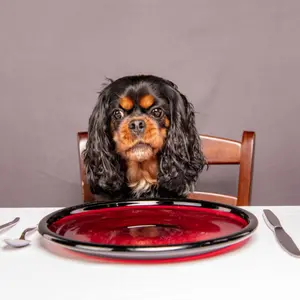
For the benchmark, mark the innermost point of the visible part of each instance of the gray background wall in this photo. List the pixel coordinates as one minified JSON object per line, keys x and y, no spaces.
{"x":237,"y":61}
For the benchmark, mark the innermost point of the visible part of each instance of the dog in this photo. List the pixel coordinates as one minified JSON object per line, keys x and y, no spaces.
{"x":142,"y":141}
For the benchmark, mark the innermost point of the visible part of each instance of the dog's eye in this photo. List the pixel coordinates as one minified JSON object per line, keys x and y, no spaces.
{"x":118,"y":114}
{"x":157,"y":112}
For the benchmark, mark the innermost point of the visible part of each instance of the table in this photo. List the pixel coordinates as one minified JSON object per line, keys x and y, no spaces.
{"x":260,"y":267}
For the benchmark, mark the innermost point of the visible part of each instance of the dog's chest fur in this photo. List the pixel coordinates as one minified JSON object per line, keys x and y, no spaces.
{"x":142,"y":176}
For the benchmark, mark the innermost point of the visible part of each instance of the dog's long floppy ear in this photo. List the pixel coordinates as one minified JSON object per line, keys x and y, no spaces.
{"x":182,"y":159}
{"x":103,"y":166}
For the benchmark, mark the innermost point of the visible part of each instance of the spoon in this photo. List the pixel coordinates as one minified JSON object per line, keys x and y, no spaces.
{"x":20,"y":242}
{"x":11,"y":223}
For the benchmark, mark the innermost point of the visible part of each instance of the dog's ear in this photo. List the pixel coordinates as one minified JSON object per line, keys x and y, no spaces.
{"x":181,"y":159}
{"x":103,"y":166}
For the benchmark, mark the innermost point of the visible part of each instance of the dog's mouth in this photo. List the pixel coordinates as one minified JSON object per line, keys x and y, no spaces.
{"x":140,"y":152}
{"x":140,"y":146}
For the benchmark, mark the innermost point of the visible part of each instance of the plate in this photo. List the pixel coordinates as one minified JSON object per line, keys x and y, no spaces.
{"x":150,"y":230}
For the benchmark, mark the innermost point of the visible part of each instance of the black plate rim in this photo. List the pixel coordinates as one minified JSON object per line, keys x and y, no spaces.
{"x":226,"y":240}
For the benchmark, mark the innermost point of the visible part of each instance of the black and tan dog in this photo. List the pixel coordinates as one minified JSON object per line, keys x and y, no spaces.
{"x":142,"y":140}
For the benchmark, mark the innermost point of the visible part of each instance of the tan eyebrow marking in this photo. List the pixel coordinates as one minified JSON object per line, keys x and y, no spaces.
{"x":126,"y":103}
{"x":146,"y":101}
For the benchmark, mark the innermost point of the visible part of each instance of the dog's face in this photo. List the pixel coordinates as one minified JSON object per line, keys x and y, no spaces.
{"x":142,"y":134}
{"x":139,"y":122}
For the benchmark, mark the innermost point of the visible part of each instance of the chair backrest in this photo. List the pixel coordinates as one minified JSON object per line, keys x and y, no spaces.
{"x":218,"y":151}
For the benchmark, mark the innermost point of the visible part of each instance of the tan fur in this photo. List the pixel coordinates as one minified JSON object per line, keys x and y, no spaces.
{"x":153,"y":136}
{"x":146,"y":101}
{"x":142,"y":175}
{"x":141,"y":160}
{"x":167,"y":122}
{"x":126,"y":103}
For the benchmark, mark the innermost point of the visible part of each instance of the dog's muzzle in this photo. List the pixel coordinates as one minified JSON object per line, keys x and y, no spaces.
{"x":137,"y":127}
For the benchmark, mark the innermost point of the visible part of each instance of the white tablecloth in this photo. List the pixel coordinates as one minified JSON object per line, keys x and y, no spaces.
{"x":259,"y":269}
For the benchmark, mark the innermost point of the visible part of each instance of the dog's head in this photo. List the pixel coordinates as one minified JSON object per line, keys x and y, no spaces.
{"x":142,"y":134}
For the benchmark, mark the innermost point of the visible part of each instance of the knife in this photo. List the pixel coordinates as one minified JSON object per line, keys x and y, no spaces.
{"x":284,"y":240}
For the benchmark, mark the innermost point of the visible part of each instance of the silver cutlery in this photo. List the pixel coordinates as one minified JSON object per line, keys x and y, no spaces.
{"x":11,"y":223}
{"x":284,"y":240}
{"x":21,"y":241}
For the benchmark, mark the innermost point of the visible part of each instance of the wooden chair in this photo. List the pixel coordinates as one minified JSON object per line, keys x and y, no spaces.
{"x":218,"y":151}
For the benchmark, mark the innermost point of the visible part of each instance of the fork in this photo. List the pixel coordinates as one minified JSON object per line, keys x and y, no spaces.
{"x":11,"y":223}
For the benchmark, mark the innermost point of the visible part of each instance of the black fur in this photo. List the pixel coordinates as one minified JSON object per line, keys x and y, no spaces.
{"x":180,"y":160}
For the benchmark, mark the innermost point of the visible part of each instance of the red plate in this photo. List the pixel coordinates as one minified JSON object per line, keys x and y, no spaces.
{"x":147,"y":230}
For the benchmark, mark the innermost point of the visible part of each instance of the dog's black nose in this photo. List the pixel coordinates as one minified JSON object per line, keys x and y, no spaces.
{"x":137,"y":126}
